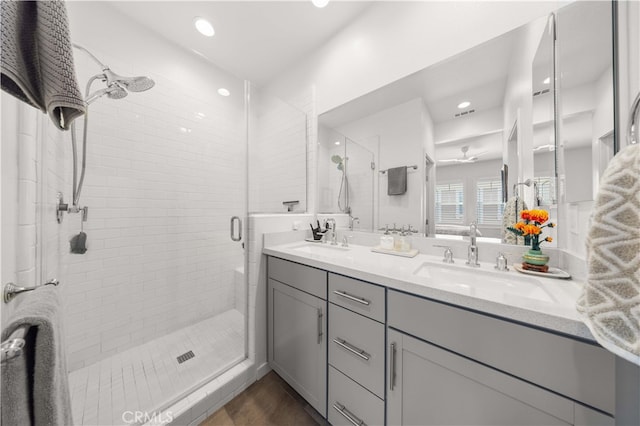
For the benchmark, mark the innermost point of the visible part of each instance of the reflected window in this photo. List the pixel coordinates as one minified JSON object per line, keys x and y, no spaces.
{"x":489,"y":205}
{"x":450,"y":202}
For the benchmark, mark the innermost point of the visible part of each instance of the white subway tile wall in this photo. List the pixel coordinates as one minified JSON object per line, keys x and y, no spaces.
{"x":164,"y":176}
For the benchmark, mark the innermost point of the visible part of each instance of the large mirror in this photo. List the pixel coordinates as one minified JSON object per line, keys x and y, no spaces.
{"x":477,"y":130}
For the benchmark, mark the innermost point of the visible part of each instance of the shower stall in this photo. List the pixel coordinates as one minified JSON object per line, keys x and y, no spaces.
{"x":156,"y":304}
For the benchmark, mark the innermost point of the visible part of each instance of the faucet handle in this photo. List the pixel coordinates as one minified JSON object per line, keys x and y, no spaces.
{"x":501,"y":262}
{"x":448,"y":254}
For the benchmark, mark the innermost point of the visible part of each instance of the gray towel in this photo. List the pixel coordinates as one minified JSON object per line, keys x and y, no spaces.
{"x":397,"y":180}
{"x":610,"y":301}
{"x":35,"y":385}
{"x":37,"y":59}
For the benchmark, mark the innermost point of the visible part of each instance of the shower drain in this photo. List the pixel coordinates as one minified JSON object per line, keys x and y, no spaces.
{"x":185,"y":357}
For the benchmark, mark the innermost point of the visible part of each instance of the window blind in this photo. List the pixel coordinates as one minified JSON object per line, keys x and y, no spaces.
{"x":450,"y":202}
{"x":489,"y":205}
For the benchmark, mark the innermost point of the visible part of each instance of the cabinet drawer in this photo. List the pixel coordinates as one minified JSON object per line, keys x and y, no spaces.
{"x":350,"y":403}
{"x":572,"y":368}
{"x":356,"y":348}
{"x":305,"y":278}
{"x":359,"y":296}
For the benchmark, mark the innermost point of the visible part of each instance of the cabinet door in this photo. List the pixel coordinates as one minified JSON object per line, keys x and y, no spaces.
{"x":298,"y":345}
{"x":431,"y":386}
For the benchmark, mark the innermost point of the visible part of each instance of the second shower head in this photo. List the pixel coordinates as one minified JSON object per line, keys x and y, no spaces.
{"x":132,"y":84}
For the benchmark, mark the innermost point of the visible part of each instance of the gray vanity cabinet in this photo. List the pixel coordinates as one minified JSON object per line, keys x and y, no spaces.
{"x":448,"y":365}
{"x":431,"y":386}
{"x":297,"y":322}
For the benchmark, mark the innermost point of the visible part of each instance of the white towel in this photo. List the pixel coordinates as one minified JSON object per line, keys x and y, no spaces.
{"x":35,"y":385}
{"x":37,"y":59}
{"x":610,"y":302}
{"x":510,"y":217}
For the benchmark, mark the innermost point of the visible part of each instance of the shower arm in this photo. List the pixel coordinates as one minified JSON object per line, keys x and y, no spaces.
{"x":91,"y":55}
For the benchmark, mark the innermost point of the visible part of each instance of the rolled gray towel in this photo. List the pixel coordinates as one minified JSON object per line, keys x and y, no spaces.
{"x":37,"y":59}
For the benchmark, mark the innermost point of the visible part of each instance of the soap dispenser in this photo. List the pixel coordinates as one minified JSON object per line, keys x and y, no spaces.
{"x":386,"y":241}
{"x":405,"y":242}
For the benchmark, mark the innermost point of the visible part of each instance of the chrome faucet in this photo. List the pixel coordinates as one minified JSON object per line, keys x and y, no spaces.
{"x":331,"y":224}
{"x":472,"y":253}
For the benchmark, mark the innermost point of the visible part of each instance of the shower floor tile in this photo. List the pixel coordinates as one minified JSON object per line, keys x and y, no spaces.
{"x":146,"y":378}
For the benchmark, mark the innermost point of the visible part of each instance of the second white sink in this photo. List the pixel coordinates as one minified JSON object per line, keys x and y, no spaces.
{"x":491,"y":285}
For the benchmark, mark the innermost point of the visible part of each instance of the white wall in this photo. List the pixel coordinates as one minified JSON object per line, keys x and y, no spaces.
{"x":393,"y":39}
{"x":20,"y":196}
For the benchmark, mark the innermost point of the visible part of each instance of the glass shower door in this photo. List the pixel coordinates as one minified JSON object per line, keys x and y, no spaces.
{"x":157,"y":306}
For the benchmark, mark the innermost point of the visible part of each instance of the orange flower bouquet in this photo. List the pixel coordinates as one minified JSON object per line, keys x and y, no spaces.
{"x":533,"y":221}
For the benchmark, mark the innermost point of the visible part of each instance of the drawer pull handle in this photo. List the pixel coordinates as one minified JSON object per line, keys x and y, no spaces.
{"x":348,"y":415}
{"x":392,"y":369}
{"x":350,"y":297}
{"x":353,"y":349}
{"x":320,"y":325}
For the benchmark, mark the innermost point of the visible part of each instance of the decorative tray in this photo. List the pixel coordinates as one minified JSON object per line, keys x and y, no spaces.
{"x":551,"y":273}
{"x":410,"y":253}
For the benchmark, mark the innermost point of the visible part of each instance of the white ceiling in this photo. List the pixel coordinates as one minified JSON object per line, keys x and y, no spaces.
{"x":254,"y":40}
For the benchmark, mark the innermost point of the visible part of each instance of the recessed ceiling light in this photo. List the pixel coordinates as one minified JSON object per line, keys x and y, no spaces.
{"x":223,"y":92}
{"x":204,"y":27}
{"x":320,"y":3}
{"x":337,"y":143}
{"x":546,"y":80}
{"x":464,"y":104}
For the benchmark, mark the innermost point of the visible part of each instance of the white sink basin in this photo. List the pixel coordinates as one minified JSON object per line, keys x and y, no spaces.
{"x":493,"y":285}
{"x":320,"y":249}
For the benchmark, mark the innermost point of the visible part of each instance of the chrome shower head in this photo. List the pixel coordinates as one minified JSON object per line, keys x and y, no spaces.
{"x":339,"y":161}
{"x":114,"y":91}
{"x":132,"y":84}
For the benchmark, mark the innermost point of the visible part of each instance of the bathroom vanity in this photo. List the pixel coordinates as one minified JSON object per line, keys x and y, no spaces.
{"x":368,"y":338}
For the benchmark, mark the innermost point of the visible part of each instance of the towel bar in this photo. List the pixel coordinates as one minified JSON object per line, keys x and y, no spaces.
{"x":12,"y":347}
{"x":11,"y":290}
{"x":414,"y":167}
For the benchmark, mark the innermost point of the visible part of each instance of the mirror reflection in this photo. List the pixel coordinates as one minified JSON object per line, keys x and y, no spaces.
{"x":481,"y":128}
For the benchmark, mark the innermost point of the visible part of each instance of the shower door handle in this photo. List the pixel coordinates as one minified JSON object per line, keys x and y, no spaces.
{"x":234,"y":220}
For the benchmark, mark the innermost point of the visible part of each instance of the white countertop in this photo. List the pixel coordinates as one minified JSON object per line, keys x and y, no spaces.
{"x":550,"y":304}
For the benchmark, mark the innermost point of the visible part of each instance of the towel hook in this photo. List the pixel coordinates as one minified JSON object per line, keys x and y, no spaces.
{"x":11,"y":290}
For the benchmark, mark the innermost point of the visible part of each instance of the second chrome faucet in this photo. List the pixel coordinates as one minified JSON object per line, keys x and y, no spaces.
{"x":472,"y":251}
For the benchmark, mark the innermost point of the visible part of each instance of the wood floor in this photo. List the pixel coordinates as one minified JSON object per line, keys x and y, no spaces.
{"x":269,"y":401}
